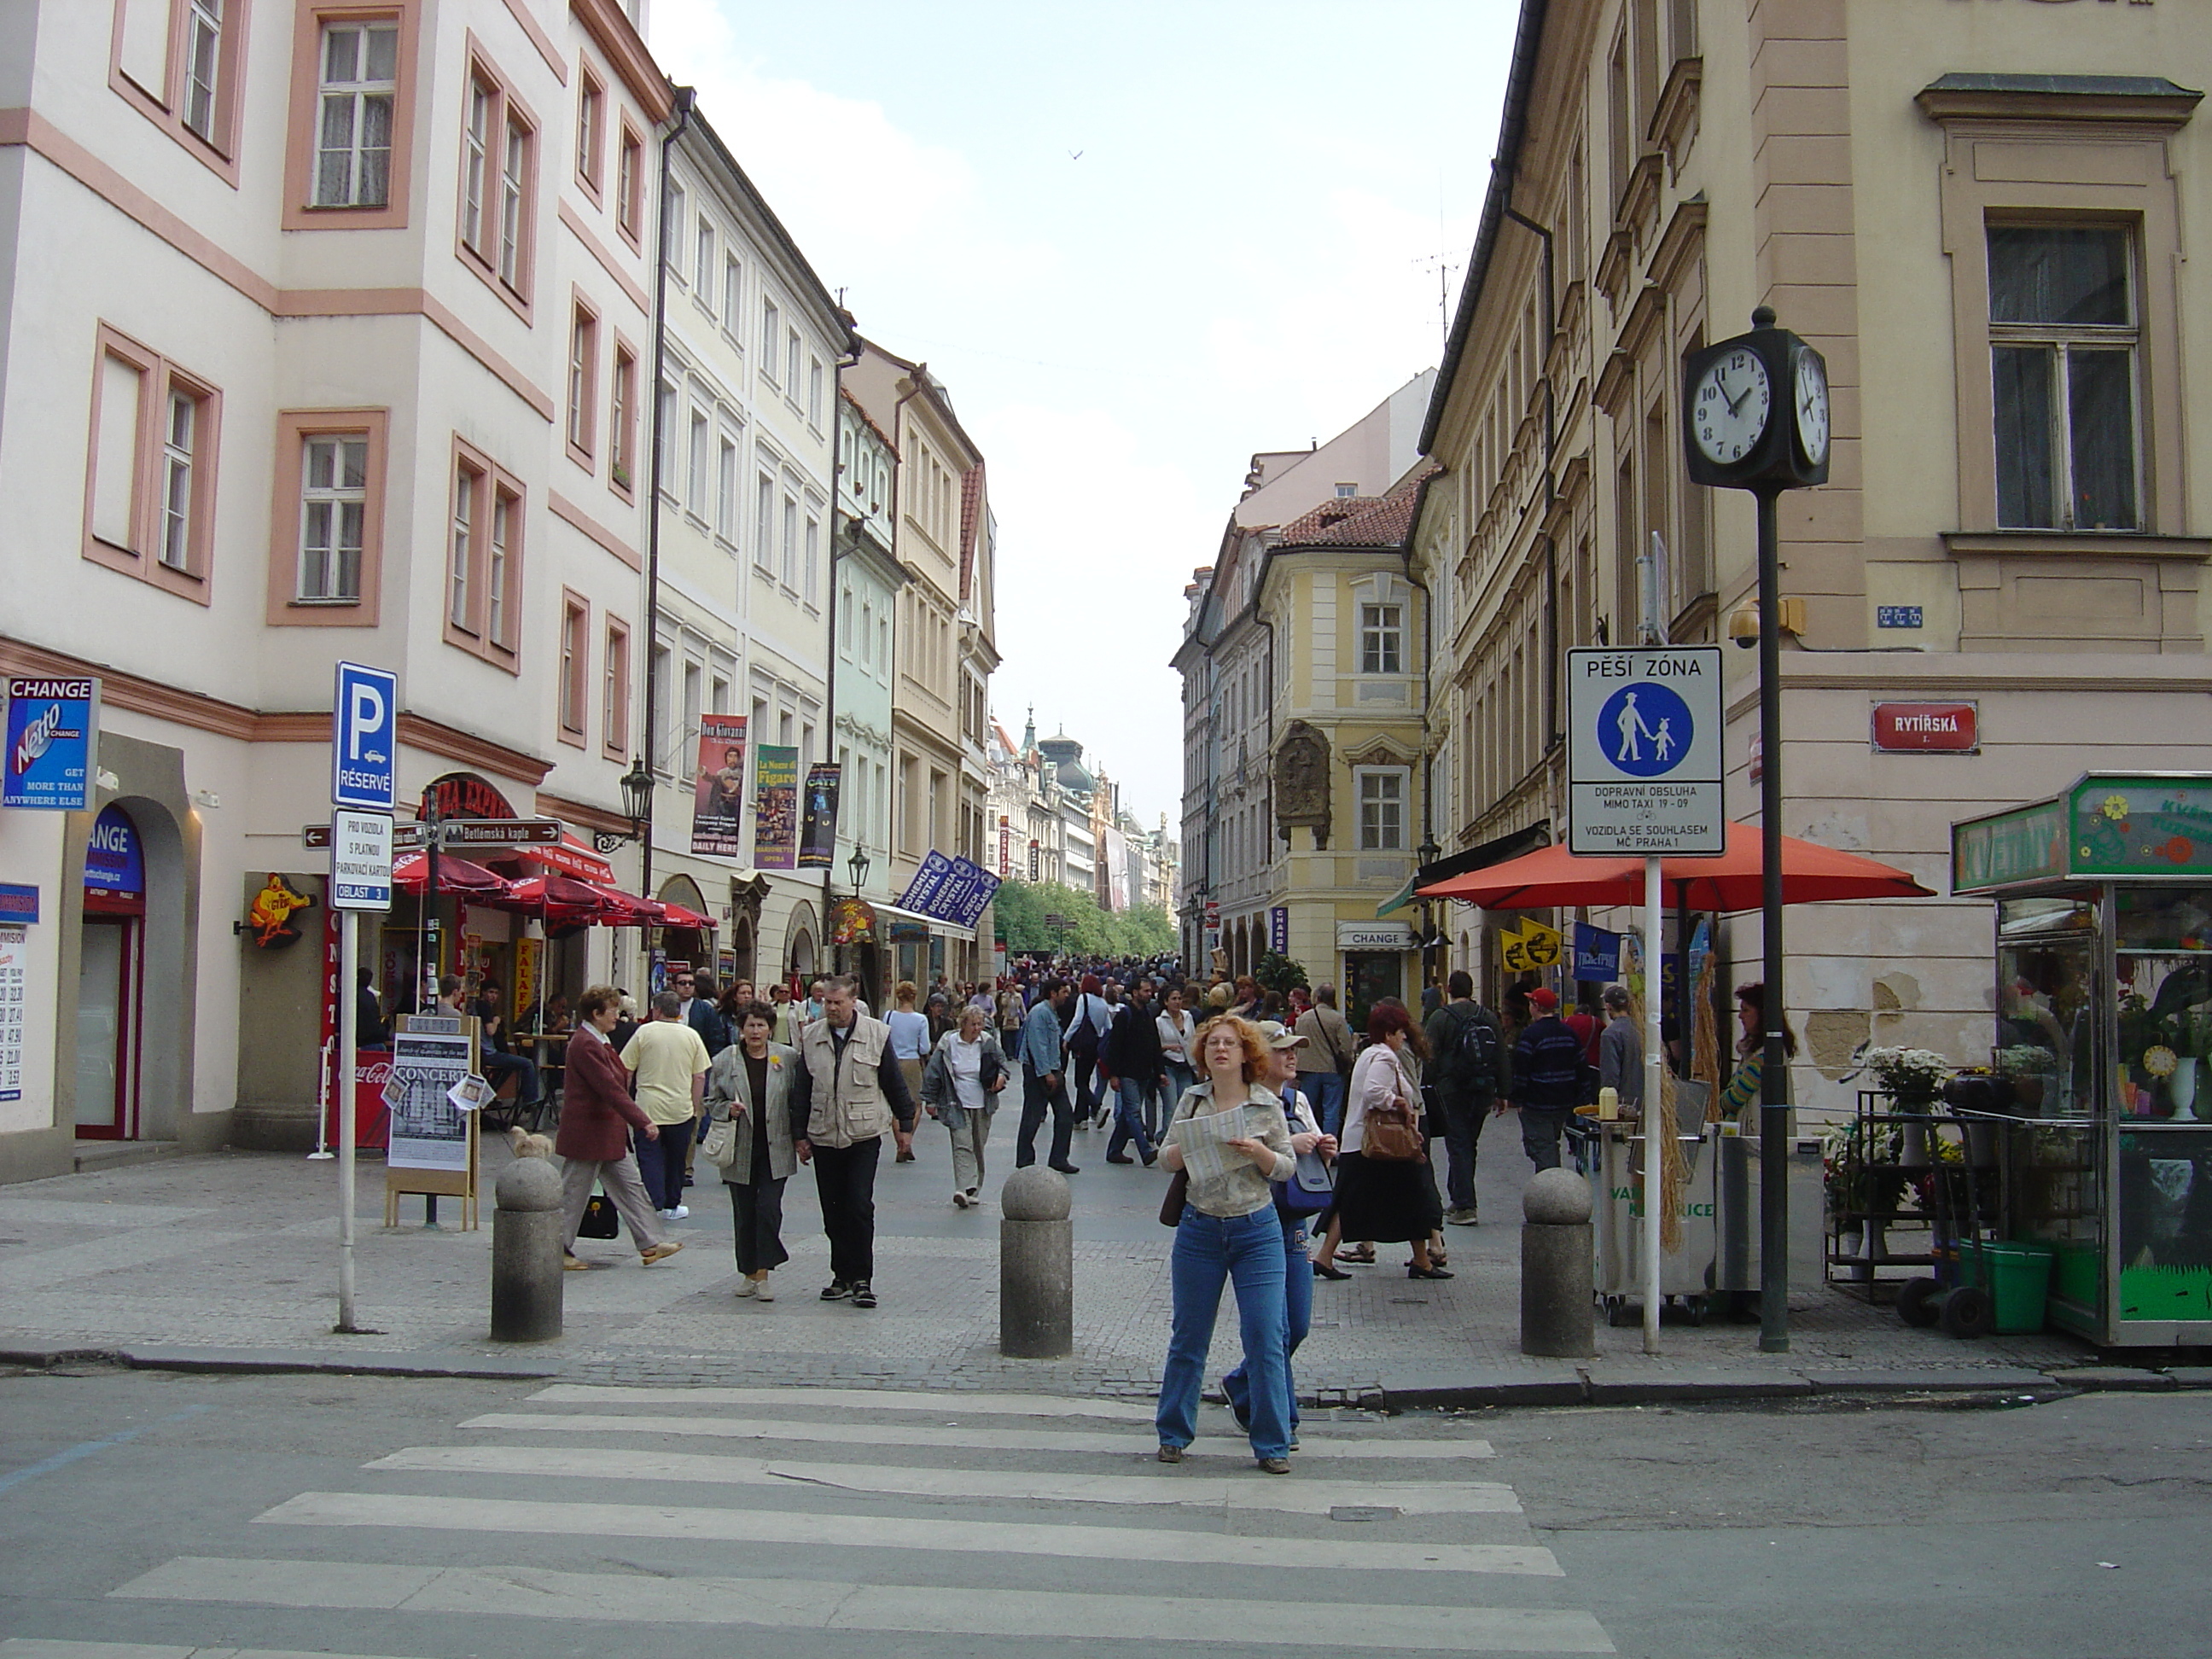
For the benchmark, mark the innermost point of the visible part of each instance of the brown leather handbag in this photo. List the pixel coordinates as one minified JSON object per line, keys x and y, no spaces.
{"x":1392,"y":1133}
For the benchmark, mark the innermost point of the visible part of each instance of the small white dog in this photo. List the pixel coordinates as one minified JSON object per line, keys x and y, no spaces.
{"x":527,"y":1144}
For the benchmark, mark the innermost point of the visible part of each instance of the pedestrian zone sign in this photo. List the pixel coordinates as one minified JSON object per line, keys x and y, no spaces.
{"x":1644,"y":751}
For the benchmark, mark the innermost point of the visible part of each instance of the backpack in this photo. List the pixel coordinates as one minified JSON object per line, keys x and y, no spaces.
{"x":1083,"y":1033}
{"x":1472,"y":1065}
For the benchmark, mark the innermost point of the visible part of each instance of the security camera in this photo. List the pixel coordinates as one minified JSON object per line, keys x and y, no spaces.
{"x":1743,"y":626}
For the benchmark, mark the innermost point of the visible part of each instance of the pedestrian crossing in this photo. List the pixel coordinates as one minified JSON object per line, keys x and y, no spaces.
{"x":961,"y":1523}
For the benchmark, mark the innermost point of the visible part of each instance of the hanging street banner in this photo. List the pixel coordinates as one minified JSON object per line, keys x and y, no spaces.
{"x":1597,"y":953}
{"x":717,"y":805}
{"x":817,"y":836}
{"x":53,"y":743}
{"x":1532,"y":947}
{"x":1643,"y":752}
{"x":776,"y":821}
{"x":953,"y":890}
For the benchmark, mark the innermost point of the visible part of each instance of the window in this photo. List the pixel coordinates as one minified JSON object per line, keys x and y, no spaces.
{"x":1346,"y":491}
{"x":845,"y":620}
{"x":575,"y":664}
{"x":733,"y":293}
{"x":702,"y":266}
{"x":583,"y":374}
{"x":790,"y":362}
{"x":354,"y":131}
{"x":629,"y":184}
{"x":671,"y":229}
{"x":591,"y":131}
{"x":333,"y":516}
{"x":814,"y":392}
{"x":622,"y":420}
{"x":692,"y":678}
{"x":498,"y":174}
{"x":177,"y":61}
{"x":726,"y":492}
{"x":483,"y":559}
{"x":325,"y":519}
{"x":149,"y":485}
{"x":203,"y":65}
{"x":1381,"y":639}
{"x":764,"y":522}
{"x":701,"y":480}
{"x":813,"y":560}
{"x":614,"y":693}
{"x":771,"y":325}
{"x":664,"y":431}
{"x":513,"y":197}
{"x":2063,"y":337}
{"x":790,"y":567}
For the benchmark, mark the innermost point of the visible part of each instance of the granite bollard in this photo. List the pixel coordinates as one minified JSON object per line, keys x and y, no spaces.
{"x":526,"y":1252}
{"x":1558,"y":1300}
{"x":1037,"y":1266}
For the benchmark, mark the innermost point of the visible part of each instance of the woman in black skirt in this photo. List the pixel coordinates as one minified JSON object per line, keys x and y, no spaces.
{"x":1389,"y":1201}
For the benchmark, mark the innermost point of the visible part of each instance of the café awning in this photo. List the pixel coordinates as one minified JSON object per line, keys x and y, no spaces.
{"x":570,"y":857}
{"x":410,"y":874}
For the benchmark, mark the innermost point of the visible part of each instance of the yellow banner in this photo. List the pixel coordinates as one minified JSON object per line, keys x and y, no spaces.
{"x":525,"y":973}
{"x":1533,"y":946}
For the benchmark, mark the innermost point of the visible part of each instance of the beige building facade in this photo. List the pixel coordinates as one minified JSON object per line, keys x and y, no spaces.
{"x":1983,"y":219}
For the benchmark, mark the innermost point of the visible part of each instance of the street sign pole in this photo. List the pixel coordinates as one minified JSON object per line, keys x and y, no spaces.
{"x":348,"y":1038}
{"x":1774,"y":1073}
{"x":1655,"y":1060}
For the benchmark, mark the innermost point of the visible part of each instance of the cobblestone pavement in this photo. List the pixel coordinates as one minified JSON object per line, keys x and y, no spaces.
{"x":237,"y":1252}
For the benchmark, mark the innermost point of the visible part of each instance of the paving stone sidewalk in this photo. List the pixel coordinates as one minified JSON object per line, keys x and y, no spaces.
{"x":230,"y":1260}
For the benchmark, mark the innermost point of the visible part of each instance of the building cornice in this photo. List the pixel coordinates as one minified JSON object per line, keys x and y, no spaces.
{"x":2136,"y":100}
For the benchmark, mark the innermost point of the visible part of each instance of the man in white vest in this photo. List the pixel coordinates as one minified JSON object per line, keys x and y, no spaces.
{"x":849,"y":1090}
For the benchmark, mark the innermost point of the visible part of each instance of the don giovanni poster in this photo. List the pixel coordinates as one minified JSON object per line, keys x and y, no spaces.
{"x":718,"y":804}
{"x":775,"y":827}
{"x":818,"y":836}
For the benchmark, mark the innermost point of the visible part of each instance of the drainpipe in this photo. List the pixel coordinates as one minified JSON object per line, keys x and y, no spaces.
{"x":850,"y":355}
{"x":685,"y":98}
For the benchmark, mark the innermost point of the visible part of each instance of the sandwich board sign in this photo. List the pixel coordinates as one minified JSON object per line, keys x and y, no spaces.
{"x":1644,"y":751}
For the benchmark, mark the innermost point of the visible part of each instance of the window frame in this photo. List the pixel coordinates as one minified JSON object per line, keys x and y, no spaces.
{"x":621,"y":421}
{"x":572,"y":675}
{"x":630,"y":183}
{"x":160,"y":376}
{"x":510,"y":275}
{"x":1387,"y":637}
{"x":474,"y":632}
{"x":164,"y":106}
{"x":581,"y":429}
{"x":1361,"y":777}
{"x":591,"y":129}
{"x":294,"y":427}
{"x":310,"y":19}
{"x":614,"y":689}
{"x":771,"y":326}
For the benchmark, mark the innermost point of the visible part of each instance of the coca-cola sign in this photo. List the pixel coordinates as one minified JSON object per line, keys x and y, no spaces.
{"x":1927,"y":728}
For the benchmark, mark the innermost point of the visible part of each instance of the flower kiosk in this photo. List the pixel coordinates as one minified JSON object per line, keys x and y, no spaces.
{"x":2104,"y":1028}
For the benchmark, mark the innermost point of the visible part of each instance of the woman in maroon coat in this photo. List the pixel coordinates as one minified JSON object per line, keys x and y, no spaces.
{"x":597,"y":1114}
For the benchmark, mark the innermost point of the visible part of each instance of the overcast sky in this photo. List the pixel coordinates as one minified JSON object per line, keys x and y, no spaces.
{"x":1137,"y":242}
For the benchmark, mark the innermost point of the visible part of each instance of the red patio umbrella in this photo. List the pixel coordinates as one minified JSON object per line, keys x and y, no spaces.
{"x":1811,"y":874}
{"x":410,"y":872}
{"x":682,"y":915}
{"x":621,"y":910}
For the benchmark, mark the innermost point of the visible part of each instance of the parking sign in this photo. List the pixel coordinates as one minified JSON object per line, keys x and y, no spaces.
{"x":1644,"y":751}
{"x":364,"y":721}
{"x":360,"y":860}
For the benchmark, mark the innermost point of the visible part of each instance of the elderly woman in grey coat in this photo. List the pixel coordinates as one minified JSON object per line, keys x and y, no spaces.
{"x":749,"y":1088}
{"x":960,"y":1086}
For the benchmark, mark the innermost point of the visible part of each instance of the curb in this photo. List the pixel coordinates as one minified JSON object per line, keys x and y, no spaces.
{"x":280,"y":1362}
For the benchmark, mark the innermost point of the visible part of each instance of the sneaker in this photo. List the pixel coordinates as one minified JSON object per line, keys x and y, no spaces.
{"x":975,"y":1197}
{"x":660,"y":1252}
{"x":1461,"y":1218}
{"x":763,"y":1293}
{"x":1170,"y":1454}
{"x":1274,"y":1465}
{"x":960,"y":1200}
{"x":835,"y":1290}
{"x":749,"y":1287}
{"x":864,"y":1295}
{"x":1294,"y":1439}
{"x":575,"y":1264}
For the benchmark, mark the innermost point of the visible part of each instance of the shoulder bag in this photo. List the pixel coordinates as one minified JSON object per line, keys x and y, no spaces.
{"x":720,"y":1148}
{"x":1392,"y":1134}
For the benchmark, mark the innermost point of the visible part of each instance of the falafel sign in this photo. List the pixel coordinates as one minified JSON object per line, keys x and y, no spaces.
{"x":1643,"y":752}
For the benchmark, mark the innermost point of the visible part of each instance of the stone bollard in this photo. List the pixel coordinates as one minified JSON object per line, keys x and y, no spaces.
{"x":1557,"y":1289}
{"x":526,"y":1252}
{"x":1037,"y":1266}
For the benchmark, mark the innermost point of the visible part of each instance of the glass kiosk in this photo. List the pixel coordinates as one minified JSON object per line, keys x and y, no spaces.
{"x":2104,"y":1025}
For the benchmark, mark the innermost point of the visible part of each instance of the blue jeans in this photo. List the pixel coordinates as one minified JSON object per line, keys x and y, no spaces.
{"x":1326,"y":1090}
{"x":1298,"y":1320}
{"x":1209,"y":1249}
{"x":1180,"y":1079}
{"x":1130,"y":1094}
{"x":660,"y":1162}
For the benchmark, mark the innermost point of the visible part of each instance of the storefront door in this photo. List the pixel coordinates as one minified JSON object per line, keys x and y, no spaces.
{"x":1368,"y":976}
{"x":109,"y":979}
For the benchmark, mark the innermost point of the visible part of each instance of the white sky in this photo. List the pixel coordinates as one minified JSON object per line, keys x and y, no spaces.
{"x":1241,"y":257}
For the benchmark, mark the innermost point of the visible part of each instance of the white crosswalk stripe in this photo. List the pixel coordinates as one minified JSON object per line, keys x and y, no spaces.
{"x":885,"y":1513}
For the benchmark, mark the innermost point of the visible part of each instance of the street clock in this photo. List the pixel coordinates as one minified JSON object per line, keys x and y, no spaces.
{"x":1755,"y":410}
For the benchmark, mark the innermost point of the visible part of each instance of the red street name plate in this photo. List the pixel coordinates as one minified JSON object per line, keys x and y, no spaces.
{"x":1927,"y":728}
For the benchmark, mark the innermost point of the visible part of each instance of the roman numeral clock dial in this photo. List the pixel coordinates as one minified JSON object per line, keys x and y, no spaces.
{"x":1730,"y":406}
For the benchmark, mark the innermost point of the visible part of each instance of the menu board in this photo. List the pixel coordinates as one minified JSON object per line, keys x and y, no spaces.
{"x":429,"y":1131}
{"x":13,"y":954}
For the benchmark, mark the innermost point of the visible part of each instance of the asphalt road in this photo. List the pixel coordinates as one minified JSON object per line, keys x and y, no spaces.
{"x":147,"y":1514}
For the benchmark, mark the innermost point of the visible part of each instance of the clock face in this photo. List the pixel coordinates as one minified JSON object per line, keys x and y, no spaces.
{"x":1812,"y":407}
{"x":1730,"y":408}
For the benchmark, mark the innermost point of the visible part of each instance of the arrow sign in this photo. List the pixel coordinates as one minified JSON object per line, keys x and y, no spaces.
{"x":1644,"y":751}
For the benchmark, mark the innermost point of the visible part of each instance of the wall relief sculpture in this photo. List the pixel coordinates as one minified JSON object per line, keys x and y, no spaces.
{"x":1302,"y":781}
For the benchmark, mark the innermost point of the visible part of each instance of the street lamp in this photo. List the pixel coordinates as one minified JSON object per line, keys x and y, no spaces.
{"x":858,"y":864}
{"x":1428,"y":853}
{"x":637,"y":807}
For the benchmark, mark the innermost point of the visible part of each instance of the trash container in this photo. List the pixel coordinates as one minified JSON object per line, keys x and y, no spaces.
{"x":2019,"y":1284}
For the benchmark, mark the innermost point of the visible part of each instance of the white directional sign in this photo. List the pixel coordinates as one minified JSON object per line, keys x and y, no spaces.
{"x":1644,"y":751}
{"x":360,"y":860}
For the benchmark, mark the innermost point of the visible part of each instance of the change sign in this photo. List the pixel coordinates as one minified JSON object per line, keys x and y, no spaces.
{"x":1644,"y":751}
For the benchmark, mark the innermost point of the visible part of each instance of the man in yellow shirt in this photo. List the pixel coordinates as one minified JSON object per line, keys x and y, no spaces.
{"x":668,"y":1067}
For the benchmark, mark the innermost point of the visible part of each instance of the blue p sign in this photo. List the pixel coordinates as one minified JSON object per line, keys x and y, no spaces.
{"x":364,"y":718}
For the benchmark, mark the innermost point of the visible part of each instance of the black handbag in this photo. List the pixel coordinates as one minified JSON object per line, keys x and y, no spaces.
{"x":599,"y":1219}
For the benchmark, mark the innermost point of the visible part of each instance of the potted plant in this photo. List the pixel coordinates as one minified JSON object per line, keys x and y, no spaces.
{"x":1912,"y":1079}
{"x":1864,"y":1183}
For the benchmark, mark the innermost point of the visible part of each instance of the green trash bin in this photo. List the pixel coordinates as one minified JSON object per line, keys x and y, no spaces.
{"x":2019,"y":1284}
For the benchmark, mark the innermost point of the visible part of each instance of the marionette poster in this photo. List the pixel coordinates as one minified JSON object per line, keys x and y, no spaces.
{"x":775,"y":825}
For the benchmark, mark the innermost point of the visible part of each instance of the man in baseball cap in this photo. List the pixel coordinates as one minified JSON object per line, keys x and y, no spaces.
{"x":1548,"y":1078}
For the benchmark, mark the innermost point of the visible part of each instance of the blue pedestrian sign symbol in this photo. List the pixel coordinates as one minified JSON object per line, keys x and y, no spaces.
{"x":1644,"y":751}
{"x":364,"y":735}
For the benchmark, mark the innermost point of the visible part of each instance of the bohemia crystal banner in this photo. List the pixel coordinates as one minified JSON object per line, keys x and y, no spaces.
{"x":775,"y":827}
{"x":717,"y":806}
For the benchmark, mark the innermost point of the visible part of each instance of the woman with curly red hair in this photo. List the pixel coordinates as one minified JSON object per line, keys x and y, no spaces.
{"x":1383,"y":1198}
{"x":1230,"y":1137}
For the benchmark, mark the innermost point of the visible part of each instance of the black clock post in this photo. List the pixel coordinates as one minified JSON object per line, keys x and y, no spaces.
{"x":1755,"y":417}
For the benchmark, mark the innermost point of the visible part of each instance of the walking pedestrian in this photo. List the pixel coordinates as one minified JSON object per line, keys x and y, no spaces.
{"x":1547,"y":1077}
{"x":851,"y":1090}
{"x":1178,"y":1063}
{"x":913,"y":1036}
{"x":1471,"y":1067}
{"x":1294,"y":1212}
{"x":1045,"y":1081}
{"x":597,"y":1115}
{"x":1382,"y":1193}
{"x":960,"y":1087}
{"x":1230,"y":1137}
{"x":1620,"y":1052}
{"x":750,"y":1088}
{"x":703,"y":1013}
{"x":1135,"y":1070}
{"x":1325,"y":1062}
{"x":1087,"y":1022}
{"x":669,"y":1064}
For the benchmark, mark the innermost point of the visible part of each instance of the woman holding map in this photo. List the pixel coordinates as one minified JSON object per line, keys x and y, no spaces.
{"x":1229,"y":1141}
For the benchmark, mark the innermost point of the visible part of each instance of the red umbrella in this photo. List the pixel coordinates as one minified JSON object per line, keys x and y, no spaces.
{"x":555,"y":890}
{"x":682,"y":915}
{"x":621,"y":909}
{"x":410,"y":872}
{"x":1552,"y":876}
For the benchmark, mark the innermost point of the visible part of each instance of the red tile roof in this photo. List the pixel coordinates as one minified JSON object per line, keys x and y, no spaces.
{"x":1360,"y":521}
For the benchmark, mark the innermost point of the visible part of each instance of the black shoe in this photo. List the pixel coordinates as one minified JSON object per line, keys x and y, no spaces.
{"x":1119,"y":1158}
{"x":1426,"y":1272}
{"x":863,"y":1297}
{"x":835,"y":1290}
{"x":1325,"y":1270}
{"x":1067,"y":1168}
{"x":1151,"y":1158}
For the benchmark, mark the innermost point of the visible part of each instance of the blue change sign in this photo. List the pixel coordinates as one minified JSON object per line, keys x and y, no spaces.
{"x":114,"y":858}
{"x":364,"y":735}
{"x":53,"y":743}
